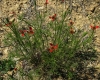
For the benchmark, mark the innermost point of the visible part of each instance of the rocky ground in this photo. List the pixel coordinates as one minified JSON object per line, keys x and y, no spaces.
{"x":81,"y":11}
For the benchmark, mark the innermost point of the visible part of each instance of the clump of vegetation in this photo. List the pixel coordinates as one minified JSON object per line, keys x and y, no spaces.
{"x":53,"y":49}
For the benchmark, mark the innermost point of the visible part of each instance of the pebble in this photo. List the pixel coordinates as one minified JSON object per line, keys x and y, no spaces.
{"x":5,"y":53}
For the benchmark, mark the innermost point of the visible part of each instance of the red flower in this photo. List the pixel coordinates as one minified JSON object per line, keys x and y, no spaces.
{"x":53,"y":47}
{"x":30,"y":31}
{"x":22,"y":32}
{"x":94,"y":27}
{"x":72,"y":31}
{"x":53,"y":17}
{"x":46,"y":2}
{"x":71,"y":23}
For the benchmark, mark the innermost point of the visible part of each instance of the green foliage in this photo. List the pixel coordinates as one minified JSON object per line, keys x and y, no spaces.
{"x":7,"y":65}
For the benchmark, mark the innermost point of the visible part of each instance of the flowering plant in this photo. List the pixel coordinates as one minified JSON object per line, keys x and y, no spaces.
{"x":51,"y":49}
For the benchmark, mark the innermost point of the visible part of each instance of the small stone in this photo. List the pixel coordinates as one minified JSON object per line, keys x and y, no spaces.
{"x":40,"y":8}
{"x":5,"y":52}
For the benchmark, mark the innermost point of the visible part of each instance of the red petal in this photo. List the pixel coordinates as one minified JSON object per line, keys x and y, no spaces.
{"x":71,"y":22}
{"x":51,"y":50}
{"x":97,"y":26}
{"x":93,"y":27}
{"x":31,"y":32}
{"x":23,"y":35}
{"x":22,"y":32}
{"x":53,"y":17}
{"x":51,"y":44}
{"x":30,"y":28}
{"x":56,"y":47}
{"x":46,"y":2}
